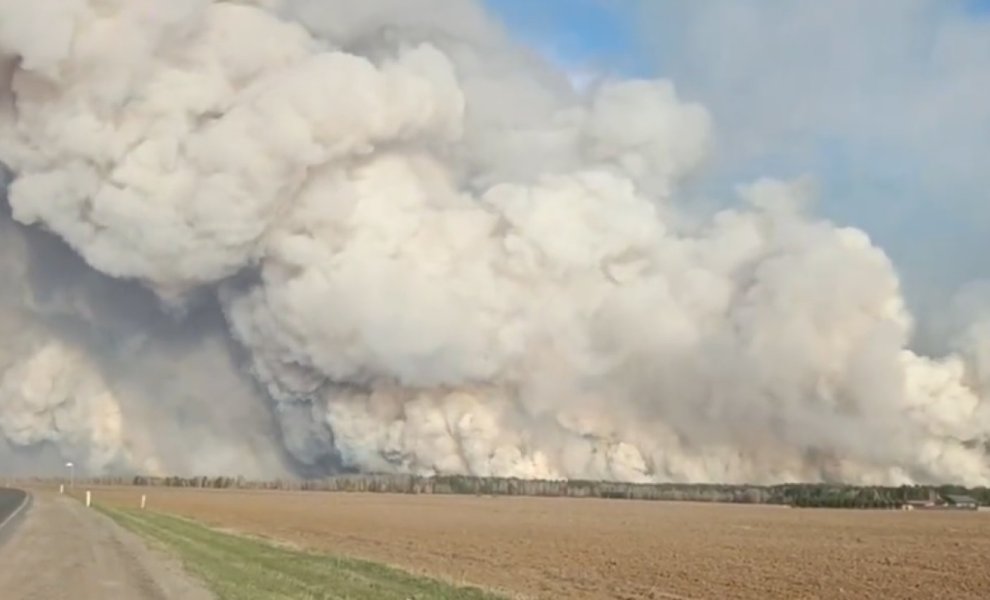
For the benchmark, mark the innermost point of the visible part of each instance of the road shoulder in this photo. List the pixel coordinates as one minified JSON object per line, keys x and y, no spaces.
{"x":62,"y":549}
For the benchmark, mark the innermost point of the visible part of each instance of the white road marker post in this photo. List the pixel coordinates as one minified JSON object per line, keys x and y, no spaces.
{"x":89,"y":498}
{"x":144,"y":501}
{"x":61,"y":489}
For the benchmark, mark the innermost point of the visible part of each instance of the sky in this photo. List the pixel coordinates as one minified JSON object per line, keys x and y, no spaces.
{"x":884,"y":103}
{"x":579,"y":33}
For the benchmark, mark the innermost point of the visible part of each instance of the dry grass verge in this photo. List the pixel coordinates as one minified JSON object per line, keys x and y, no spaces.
{"x":240,"y":568}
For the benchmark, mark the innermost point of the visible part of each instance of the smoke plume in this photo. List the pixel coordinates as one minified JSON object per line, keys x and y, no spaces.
{"x":319,"y":235}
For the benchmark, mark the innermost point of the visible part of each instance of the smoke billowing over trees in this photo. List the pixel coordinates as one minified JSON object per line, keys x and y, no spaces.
{"x":391,"y":242}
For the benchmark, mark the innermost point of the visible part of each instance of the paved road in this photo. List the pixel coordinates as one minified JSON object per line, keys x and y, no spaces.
{"x":10,"y":500}
{"x":63,"y":550}
{"x":12,"y":505}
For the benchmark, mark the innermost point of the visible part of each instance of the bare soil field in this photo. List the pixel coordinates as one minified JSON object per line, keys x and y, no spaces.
{"x":583,"y":549}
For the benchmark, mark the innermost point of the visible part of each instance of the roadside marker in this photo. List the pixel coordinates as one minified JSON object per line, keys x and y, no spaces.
{"x":89,"y":498}
{"x":144,"y":501}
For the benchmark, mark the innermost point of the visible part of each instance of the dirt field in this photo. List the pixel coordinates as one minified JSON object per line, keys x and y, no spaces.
{"x":570,"y":548}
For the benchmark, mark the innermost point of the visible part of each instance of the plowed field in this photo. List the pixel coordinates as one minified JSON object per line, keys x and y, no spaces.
{"x":582,"y":549}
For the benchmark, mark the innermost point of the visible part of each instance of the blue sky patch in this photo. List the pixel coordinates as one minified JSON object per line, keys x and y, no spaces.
{"x":578,"y":33}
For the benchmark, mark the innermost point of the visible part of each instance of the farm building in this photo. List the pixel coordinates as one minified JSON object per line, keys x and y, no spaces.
{"x":945,"y":502}
{"x":961,"y":502}
{"x":930,"y":502}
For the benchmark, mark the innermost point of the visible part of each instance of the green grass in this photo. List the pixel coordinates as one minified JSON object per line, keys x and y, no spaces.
{"x":241,"y":568}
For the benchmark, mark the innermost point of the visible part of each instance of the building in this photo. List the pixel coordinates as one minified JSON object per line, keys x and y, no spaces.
{"x":932,"y":501}
{"x":945,"y":502}
{"x":960,"y":502}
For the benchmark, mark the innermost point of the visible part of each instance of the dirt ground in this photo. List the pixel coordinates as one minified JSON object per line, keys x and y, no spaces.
{"x":583,"y":549}
{"x":63,"y":550}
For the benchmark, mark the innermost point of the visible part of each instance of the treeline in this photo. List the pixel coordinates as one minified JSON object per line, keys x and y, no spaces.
{"x":462,"y":485}
{"x":843,"y":496}
{"x":800,"y":495}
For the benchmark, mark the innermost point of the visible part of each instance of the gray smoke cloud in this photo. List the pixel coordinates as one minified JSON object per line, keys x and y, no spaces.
{"x":93,"y":370}
{"x":309,"y":236}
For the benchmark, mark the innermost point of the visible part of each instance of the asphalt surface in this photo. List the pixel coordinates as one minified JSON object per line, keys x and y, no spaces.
{"x":10,"y":502}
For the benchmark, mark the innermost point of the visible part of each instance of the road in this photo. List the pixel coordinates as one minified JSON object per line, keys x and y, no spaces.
{"x":10,"y":500}
{"x":63,"y":550}
{"x":12,"y":505}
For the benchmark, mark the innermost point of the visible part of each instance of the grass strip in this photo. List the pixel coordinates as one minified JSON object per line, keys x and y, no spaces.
{"x":241,"y":568}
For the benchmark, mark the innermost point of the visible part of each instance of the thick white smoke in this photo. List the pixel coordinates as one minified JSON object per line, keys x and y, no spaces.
{"x":440,"y":258}
{"x":54,"y":396}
